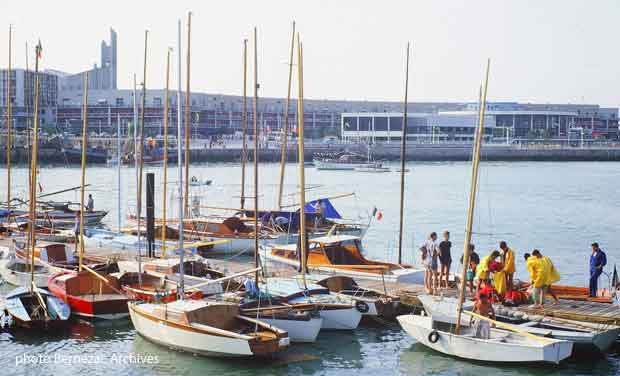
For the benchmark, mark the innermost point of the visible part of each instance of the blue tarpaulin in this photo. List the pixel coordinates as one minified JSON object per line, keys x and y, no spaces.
{"x":329,"y":211}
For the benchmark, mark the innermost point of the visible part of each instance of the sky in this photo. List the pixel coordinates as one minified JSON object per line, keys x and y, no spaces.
{"x":554,"y":51}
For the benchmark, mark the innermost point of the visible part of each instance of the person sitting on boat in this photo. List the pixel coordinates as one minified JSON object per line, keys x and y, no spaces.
{"x":537,"y":276}
{"x":90,"y":204}
{"x":550,"y":272}
{"x":483,"y":307}
{"x":598,"y":260}
{"x":320,"y":214}
{"x":508,"y":258}
{"x":483,"y":271}
{"x":194,"y":179}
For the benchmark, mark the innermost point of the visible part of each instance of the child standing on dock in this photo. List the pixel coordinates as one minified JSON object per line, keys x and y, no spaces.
{"x":425,"y":259}
{"x":433,"y":251}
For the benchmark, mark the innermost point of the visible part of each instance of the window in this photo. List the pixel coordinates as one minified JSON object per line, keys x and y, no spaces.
{"x":157,"y":102}
{"x":120,"y":102}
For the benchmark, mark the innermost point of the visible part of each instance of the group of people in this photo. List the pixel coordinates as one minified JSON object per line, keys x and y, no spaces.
{"x":493,"y":274}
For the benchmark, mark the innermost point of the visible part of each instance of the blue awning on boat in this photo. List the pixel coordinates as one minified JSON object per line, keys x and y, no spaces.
{"x":329,"y":211}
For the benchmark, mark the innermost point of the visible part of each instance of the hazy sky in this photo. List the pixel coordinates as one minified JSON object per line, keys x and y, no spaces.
{"x":541,"y":51}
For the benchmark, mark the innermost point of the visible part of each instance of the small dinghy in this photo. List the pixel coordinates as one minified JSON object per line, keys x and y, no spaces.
{"x":36,"y":308}
{"x":89,"y":296}
{"x":338,"y":313}
{"x":206,"y":328}
{"x":16,"y":271}
{"x":503,"y":346}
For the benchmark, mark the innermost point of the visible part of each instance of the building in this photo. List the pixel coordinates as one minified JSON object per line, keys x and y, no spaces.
{"x":377,"y":121}
{"x":22,"y":96}
{"x":101,"y":77}
{"x":503,"y":122}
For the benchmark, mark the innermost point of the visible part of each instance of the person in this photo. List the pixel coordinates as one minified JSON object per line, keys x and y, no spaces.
{"x":537,"y":277}
{"x":474,"y":260}
{"x":433,"y":251}
{"x":90,"y":205}
{"x":76,"y":229}
{"x":598,"y":260}
{"x":425,"y":260}
{"x":445,"y":258}
{"x":508,"y":259}
{"x":551,"y":274}
{"x":483,"y":307}
{"x":320,"y":214}
{"x":483,"y":269}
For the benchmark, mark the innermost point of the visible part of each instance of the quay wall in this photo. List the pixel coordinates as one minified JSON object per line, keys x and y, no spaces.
{"x":391,"y":152}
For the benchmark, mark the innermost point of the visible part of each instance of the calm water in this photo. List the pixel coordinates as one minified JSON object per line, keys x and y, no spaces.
{"x":559,"y":208}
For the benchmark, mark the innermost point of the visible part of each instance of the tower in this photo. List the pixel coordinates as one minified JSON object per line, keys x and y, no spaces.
{"x":108,"y":60}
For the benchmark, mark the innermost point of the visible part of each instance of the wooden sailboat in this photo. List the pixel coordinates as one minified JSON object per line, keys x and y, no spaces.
{"x":508,"y":344}
{"x":89,"y":293}
{"x":200,"y":326}
{"x":31,"y":307}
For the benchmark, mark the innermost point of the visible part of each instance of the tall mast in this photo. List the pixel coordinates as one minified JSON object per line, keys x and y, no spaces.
{"x":302,"y":176}
{"x":118,"y":168}
{"x":165,"y":192}
{"x":403,"y":149}
{"x":135,"y":127}
{"x":285,"y":127}
{"x":181,"y":289}
{"x":83,"y":179}
{"x":27,"y":102}
{"x":187,"y":112}
{"x":9,"y":120}
{"x":472,"y":192}
{"x":255,"y":124}
{"x":33,"y":169}
{"x":141,"y":149}
{"x":244,"y":120}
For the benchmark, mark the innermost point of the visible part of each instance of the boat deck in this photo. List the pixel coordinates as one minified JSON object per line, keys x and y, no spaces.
{"x":593,"y":312}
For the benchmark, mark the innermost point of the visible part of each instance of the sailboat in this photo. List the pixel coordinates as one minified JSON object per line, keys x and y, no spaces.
{"x":506,"y":343}
{"x":199,"y":326}
{"x":89,"y":293}
{"x":30,"y":307}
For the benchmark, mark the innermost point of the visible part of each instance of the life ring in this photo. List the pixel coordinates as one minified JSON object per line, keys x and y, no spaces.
{"x":433,"y":336}
{"x":362,"y":307}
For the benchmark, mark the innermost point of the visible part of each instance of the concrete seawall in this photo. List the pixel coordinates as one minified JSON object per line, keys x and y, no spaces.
{"x":415,"y":152}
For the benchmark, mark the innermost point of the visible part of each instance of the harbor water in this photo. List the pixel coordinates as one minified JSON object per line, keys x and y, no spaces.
{"x":559,"y":208}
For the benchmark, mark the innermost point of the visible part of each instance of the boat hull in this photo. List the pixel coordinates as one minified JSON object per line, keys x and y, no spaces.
{"x":468,"y":347}
{"x":298,"y":330}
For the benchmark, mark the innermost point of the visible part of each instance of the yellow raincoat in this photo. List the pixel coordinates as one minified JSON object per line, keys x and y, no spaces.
{"x":499,"y":282}
{"x":509,"y":261}
{"x":482,"y":270}
{"x":535,"y":268}
{"x":550,"y":272}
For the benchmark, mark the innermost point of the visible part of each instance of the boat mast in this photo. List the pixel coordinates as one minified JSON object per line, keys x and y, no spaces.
{"x":472,"y":193}
{"x":33,"y":169}
{"x":27,"y":102}
{"x":9,"y":120}
{"x":403,"y":149}
{"x":302,"y":176}
{"x":164,"y":193}
{"x":187,"y":112}
{"x":244,"y":121}
{"x":255,"y":124}
{"x":83,"y":179}
{"x":118,"y":169}
{"x":285,"y":127}
{"x":141,"y":164}
{"x":180,"y":290}
{"x":135,"y":128}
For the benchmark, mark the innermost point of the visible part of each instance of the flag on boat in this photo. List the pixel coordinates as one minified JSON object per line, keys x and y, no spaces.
{"x":377,"y":213}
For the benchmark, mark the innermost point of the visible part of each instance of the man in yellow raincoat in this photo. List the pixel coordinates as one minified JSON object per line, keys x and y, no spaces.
{"x":483,"y":270}
{"x":550,"y":272}
{"x":508,"y":259}
{"x":538,"y":278}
